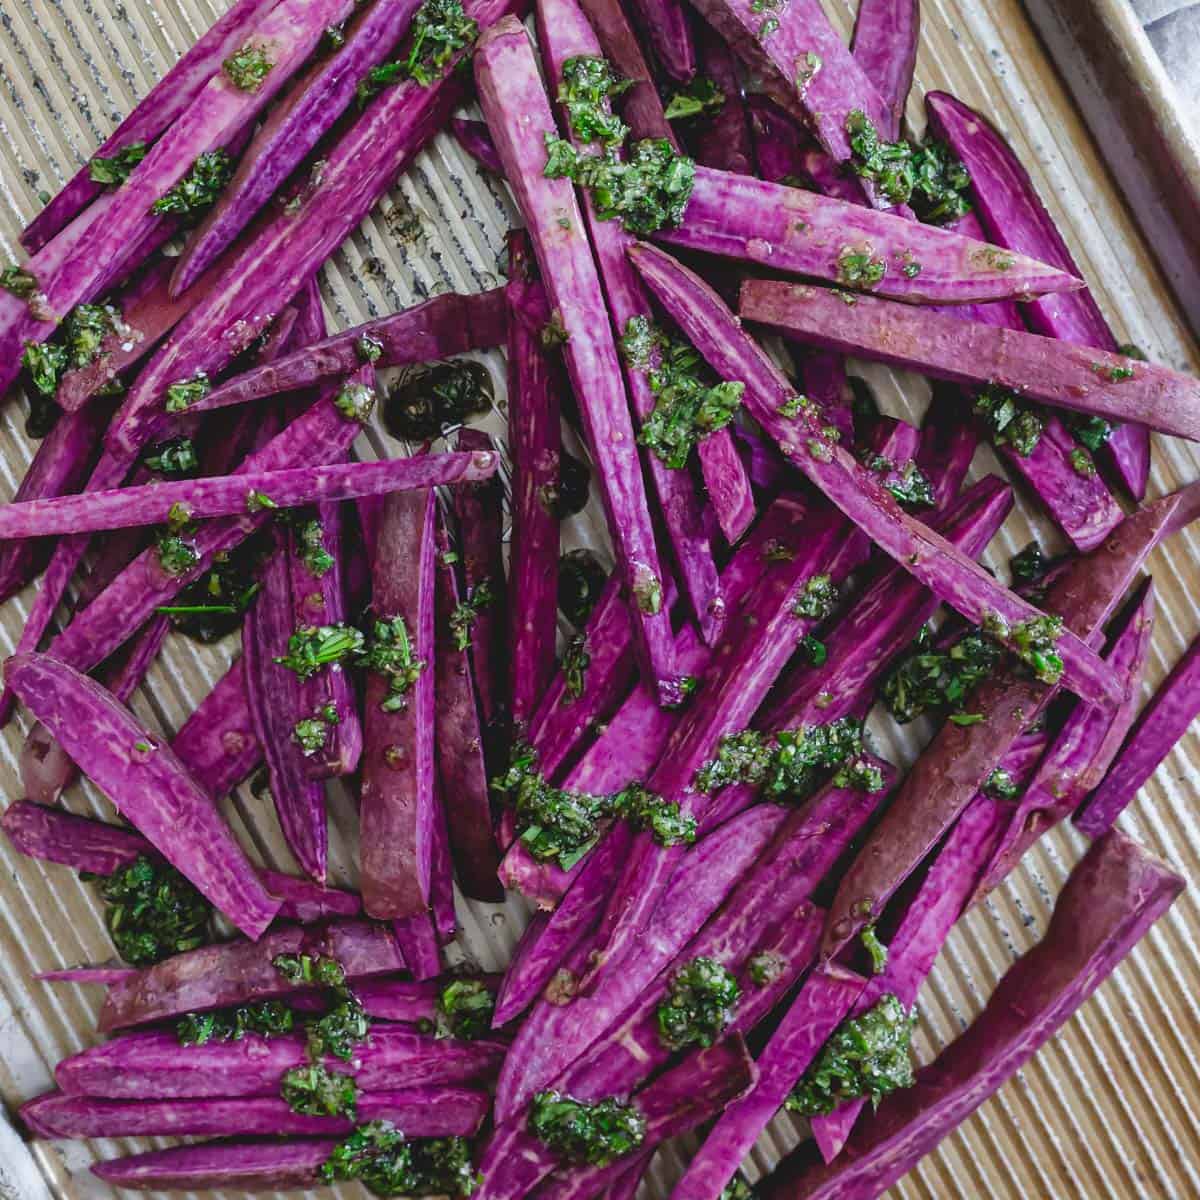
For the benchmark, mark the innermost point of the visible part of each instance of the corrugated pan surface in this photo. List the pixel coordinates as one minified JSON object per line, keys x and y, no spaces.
{"x":1111,"y":1108}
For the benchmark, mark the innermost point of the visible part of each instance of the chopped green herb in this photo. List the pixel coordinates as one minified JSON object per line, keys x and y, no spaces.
{"x":699,"y":1004}
{"x":176,"y":555}
{"x":462,"y":619}
{"x":356,"y":402}
{"x":464,"y":1010}
{"x":378,"y":78}
{"x":248,"y":68}
{"x":774,"y":551}
{"x":1089,"y":431}
{"x":340,"y":1030}
{"x":113,"y":171}
{"x":875,"y":948}
{"x":765,"y":968}
{"x":927,"y":176}
{"x":861,"y":774}
{"x":554,"y":332}
{"x":1008,"y":420}
{"x":310,"y":546}
{"x":860,"y":268}
{"x":1113,"y":374}
{"x":308,"y":969}
{"x":814,"y":650}
{"x":389,"y":652}
{"x":965,"y":718}
{"x":312,"y":732}
{"x":867,"y":1057}
{"x":688,"y":405}
{"x":595,"y":1134}
{"x":1081,"y":463}
{"x":647,"y":592}
{"x":909,"y":485}
{"x":581,"y":579}
{"x":368,"y":349}
{"x":312,"y":648}
{"x":676,"y":693}
{"x":186,"y":392}
{"x":661,"y":818}
{"x":647,"y":191}
{"x":1132,"y":350}
{"x":179,"y":517}
{"x":807,"y":70}
{"x":929,"y":679}
{"x":553,"y":823}
{"x":794,"y":406}
{"x":257,"y":501}
{"x":153,"y":912}
{"x":817,"y":599}
{"x":267,"y":1019}
{"x":588,"y":84}
{"x":175,"y":458}
{"x":388,"y":1164}
{"x":787,"y":765}
{"x":1034,"y":641}
{"x":317,"y":1092}
{"x":46,"y":363}
{"x":333,"y":39}
{"x":737,"y":1189}
{"x":440,"y":29}
{"x":21,"y":283}
{"x":197,"y":191}
{"x":701,"y":97}
{"x":574,"y":665}
{"x":1000,"y":785}
{"x":768,"y":27}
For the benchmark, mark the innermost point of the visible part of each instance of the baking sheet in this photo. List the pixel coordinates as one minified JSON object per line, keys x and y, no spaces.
{"x":1111,"y":1108}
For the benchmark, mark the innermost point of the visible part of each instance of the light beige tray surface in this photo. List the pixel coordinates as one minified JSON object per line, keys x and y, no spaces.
{"x":1111,"y":1108}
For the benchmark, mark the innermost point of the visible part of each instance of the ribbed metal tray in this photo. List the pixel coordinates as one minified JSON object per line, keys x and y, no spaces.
{"x":1111,"y":1108}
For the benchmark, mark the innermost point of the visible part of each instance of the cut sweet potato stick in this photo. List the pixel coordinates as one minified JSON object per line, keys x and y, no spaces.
{"x":285,"y":37}
{"x":313,"y":104}
{"x":1079,"y":757}
{"x":231,"y":495}
{"x":420,"y":1112}
{"x":147,"y":782}
{"x":886,"y":36}
{"x":439,"y":328}
{"x":156,"y":112}
{"x":1015,"y":217}
{"x":799,"y":232}
{"x":1161,"y":723}
{"x":479,"y":511}
{"x":641,"y":106}
{"x":231,"y":973}
{"x":936,"y":344}
{"x":566,"y":35}
{"x":535,"y":447}
{"x":960,"y":582}
{"x":518,"y":112}
{"x":1115,"y":894}
{"x":805,"y":64}
{"x":399,"y":799}
{"x":960,"y":758}
{"x":277,"y":703}
{"x":462,"y":773}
